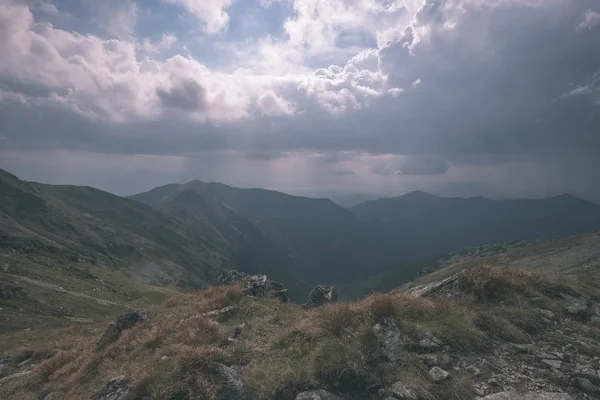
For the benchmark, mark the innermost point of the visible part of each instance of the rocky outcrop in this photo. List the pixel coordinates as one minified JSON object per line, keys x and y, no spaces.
{"x":230,"y":383}
{"x":116,"y":389}
{"x":115,"y":329}
{"x":231,"y":277}
{"x":262,"y":287}
{"x":225,"y":311}
{"x":321,"y":295}
{"x":388,"y":336}
{"x":317,"y":395}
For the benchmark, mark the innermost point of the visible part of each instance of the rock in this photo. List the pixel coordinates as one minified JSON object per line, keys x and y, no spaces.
{"x":548,"y":314}
{"x":29,"y":361}
{"x":231,"y":385}
{"x":239,"y":330}
{"x":116,"y":389}
{"x":429,"y":360}
{"x":556,"y":364}
{"x":528,"y":396}
{"x":584,"y":384}
{"x":317,"y":395}
{"x":522,"y":348}
{"x":437,"y":374}
{"x":473,"y":370}
{"x":388,"y":335}
{"x":262,"y":287}
{"x":53,"y":396}
{"x":430,"y":342}
{"x":15,"y":376}
{"x":125,"y":321}
{"x":321,"y":295}
{"x":231,"y":277}
{"x":579,"y":309}
{"x":399,"y":391}
{"x":223,"y":312}
{"x":443,"y":287}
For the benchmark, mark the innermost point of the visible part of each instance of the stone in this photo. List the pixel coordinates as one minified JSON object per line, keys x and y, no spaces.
{"x":429,"y":360}
{"x":578,"y":309}
{"x":584,"y":384}
{"x":473,"y":370}
{"x":261,"y":286}
{"x":388,"y":335}
{"x":231,"y":385}
{"x":522,"y":348}
{"x":52,"y":396}
{"x":556,"y":364}
{"x":317,"y":395}
{"x":548,"y":314}
{"x":115,"y":389}
{"x":239,"y":330}
{"x":437,"y":374}
{"x":321,"y":295}
{"x":528,"y":396}
{"x":231,"y":277}
{"x":430,"y":342}
{"x":222,"y":312}
{"x":399,"y":391}
{"x":125,"y":321}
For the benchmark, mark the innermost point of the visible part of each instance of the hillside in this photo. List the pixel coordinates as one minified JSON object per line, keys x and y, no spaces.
{"x":335,"y":243}
{"x":86,"y":225}
{"x":425,"y":225}
{"x":492,"y":332}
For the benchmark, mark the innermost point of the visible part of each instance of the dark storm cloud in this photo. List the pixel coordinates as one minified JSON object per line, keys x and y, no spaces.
{"x":424,"y":166}
{"x":502,"y":84}
{"x":187,"y":95}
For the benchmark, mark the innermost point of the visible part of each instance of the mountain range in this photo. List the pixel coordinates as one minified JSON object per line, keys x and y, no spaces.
{"x":187,"y":233}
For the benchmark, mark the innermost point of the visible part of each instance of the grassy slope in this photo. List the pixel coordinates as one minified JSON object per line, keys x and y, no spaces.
{"x":286,"y":349}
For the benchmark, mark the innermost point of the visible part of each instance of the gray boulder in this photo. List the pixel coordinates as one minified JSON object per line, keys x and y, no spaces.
{"x":231,"y":385}
{"x":262,"y":287}
{"x":231,"y":277}
{"x":115,"y":389}
{"x":528,"y":396}
{"x":321,"y":295}
{"x":399,"y":391}
{"x":437,"y":374}
{"x":388,"y":335}
{"x":317,"y":395}
{"x":125,"y":321}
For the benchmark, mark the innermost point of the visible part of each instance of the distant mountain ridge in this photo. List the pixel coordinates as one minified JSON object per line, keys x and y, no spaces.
{"x":189,"y":232}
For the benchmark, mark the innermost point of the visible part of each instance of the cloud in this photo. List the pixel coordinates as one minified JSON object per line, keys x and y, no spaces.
{"x":155,"y":47}
{"x":590,"y":20}
{"x":424,"y":166}
{"x":212,"y":13}
{"x":394,"y":91}
{"x":117,"y":18}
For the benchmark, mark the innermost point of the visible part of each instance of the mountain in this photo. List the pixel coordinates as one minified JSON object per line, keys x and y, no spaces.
{"x":334,"y":242}
{"x":424,"y":225}
{"x":191,"y":240}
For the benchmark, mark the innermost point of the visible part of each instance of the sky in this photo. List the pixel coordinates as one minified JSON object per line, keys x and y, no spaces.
{"x":499,"y":98}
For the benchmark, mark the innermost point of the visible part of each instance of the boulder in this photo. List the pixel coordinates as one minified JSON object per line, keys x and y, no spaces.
{"x":321,"y":295}
{"x":317,"y":395}
{"x":115,"y":389}
{"x":399,"y":391}
{"x":231,"y":277}
{"x":125,"y":321}
{"x":430,"y":342}
{"x":262,"y":287}
{"x":231,"y":385}
{"x":437,"y":374}
{"x":528,"y":396}
{"x":388,"y":335}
